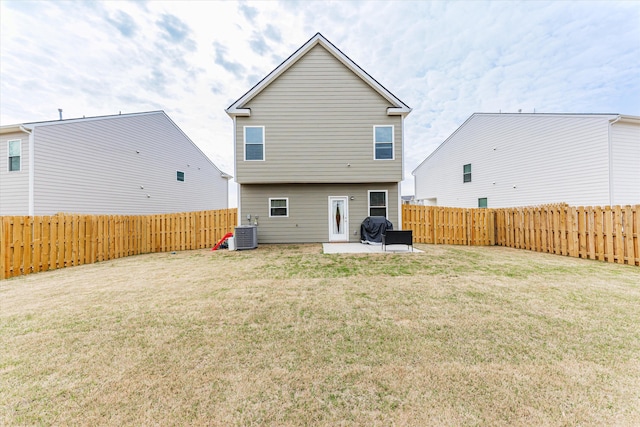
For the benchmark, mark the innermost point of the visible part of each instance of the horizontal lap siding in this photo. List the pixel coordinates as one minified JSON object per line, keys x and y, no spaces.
{"x":112,"y":165}
{"x":520,"y":160}
{"x":14,"y":186}
{"x":308,"y":219}
{"x":318,"y":119}
{"x":625,"y":163}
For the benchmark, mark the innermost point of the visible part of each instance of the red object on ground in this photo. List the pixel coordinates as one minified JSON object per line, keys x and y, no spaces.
{"x":226,"y":236}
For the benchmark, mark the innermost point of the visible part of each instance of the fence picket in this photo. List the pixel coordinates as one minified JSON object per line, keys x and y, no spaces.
{"x":32,"y":244}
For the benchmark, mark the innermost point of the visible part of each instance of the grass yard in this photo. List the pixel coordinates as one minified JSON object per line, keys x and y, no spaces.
{"x":286,"y":336}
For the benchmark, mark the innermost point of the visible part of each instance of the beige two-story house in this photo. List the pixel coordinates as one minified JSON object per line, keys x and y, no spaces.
{"x":318,"y":148}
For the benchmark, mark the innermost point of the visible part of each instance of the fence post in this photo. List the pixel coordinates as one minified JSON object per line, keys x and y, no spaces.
{"x":3,"y":250}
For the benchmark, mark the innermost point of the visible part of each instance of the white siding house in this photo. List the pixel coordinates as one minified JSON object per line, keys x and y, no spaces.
{"x":506,"y":160}
{"x":138,"y":163}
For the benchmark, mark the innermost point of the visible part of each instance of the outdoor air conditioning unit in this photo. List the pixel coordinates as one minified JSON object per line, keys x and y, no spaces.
{"x":246,"y":237}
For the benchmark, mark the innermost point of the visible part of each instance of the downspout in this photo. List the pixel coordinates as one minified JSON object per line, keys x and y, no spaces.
{"x":611,"y":123}
{"x":31,"y":168}
{"x":401,"y":176}
{"x":235,"y":171}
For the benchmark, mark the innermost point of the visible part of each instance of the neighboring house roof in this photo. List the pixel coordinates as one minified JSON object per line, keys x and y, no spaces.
{"x":237,"y":108}
{"x":613,"y":118}
{"x":25,"y":127}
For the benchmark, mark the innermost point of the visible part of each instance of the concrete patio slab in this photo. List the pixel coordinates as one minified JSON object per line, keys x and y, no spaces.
{"x":360,"y":248}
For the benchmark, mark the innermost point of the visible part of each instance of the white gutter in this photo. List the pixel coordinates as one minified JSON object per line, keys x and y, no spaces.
{"x":611,"y":123}
{"x":31,"y":168}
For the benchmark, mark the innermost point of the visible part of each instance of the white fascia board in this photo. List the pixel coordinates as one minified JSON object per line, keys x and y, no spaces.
{"x":398,"y":111}
{"x":11,"y":129}
{"x":238,"y":112}
{"x":630,"y":119}
{"x":236,"y":108}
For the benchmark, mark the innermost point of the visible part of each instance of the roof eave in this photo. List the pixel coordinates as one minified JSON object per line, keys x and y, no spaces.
{"x":400,"y":111}
{"x":238,"y":112}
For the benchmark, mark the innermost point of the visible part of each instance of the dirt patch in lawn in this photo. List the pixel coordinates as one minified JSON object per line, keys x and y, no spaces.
{"x":286,"y":335}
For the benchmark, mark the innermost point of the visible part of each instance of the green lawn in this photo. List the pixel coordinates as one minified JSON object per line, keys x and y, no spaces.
{"x":285,"y":335}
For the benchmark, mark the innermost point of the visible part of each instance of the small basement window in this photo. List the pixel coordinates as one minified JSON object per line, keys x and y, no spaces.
{"x":279,"y":207}
{"x":180,"y":176}
{"x":466,"y":173}
{"x":482,"y":202}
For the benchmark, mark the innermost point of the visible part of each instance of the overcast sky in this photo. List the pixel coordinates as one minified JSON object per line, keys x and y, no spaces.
{"x":192,"y":59}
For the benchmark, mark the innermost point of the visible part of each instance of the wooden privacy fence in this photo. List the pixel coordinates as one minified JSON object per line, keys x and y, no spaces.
{"x":449,"y":226}
{"x":40,"y":243}
{"x":602,"y":233}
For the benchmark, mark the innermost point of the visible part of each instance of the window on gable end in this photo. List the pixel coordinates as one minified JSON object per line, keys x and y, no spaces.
{"x":466,"y":173}
{"x":254,"y":142}
{"x":383,"y":142}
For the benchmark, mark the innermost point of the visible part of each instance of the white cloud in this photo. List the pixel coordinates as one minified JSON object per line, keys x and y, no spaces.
{"x":446,"y":60}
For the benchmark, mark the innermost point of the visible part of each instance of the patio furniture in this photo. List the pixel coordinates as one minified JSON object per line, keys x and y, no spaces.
{"x":397,"y":237}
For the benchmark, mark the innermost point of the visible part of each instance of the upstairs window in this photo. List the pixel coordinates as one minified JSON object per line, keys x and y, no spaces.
{"x":378,"y":203}
{"x":383,"y":142}
{"x":180,"y":176}
{"x":466,"y":173}
{"x":14,"y":150}
{"x":279,"y":207}
{"x":254,"y":142}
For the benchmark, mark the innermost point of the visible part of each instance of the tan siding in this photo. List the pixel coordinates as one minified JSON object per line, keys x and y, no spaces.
{"x":318,"y":118}
{"x":308,"y":219}
{"x":93,"y":166}
{"x":14,"y":186}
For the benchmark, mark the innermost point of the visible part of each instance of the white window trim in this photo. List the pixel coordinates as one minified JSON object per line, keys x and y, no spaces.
{"x":464,"y":174}
{"x":386,"y":201}
{"x":393,"y":142}
{"x":286,"y":199}
{"x":244,"y":137}
{"x":9,"y":157}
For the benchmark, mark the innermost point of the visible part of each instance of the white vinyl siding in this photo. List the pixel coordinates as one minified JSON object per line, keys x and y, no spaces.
{"x":520,"y":160}
{"x":14,"y":185}
{"x":122,"y":165}
{"x":625,"y":163}
{"x":319,"y":116}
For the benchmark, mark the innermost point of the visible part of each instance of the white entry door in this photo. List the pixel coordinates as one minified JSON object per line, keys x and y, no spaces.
{"x":338,"y":219}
